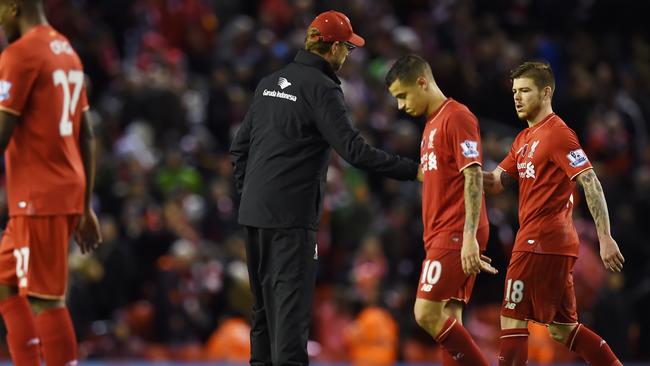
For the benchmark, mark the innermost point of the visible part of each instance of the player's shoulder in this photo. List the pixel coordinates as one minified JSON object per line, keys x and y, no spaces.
{"x":557,"y":127}
{"x":41,"y":42}
{"x":454,"y":106}
{"x":457,"y":110}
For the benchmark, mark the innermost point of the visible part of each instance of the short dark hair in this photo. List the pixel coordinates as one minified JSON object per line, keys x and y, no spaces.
{"x":540,"y":72}
{"x":314,"y":43}
{"x":407,"y":69}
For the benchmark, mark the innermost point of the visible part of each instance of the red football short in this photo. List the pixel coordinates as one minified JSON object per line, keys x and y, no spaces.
{"x":539,"y":287}
{"x":34,"y":254}
{"x":442,"y":277}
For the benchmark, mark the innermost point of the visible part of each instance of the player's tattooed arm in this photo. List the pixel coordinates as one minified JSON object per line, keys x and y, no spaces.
{"x":470,"y":252}
{"x":609,"y":250}
{"x":596,"y":201}
{"x":473,"y":197}
{"x":7,"y":123}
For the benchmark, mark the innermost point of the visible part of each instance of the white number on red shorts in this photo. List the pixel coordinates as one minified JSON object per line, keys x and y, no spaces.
{"x":430,"y":274}
{"x":22,"y":265}
{"x":514,"y":291}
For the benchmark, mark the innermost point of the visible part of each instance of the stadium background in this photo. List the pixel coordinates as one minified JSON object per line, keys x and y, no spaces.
{"x":169,"y":82}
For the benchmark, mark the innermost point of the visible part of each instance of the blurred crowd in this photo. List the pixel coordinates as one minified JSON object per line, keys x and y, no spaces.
{"x":169,"y":82}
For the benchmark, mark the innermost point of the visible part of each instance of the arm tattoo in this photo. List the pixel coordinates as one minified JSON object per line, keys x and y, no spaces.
{"x":473,"y":197}
{"x":506,"y":180}
{"x":596,"y":201}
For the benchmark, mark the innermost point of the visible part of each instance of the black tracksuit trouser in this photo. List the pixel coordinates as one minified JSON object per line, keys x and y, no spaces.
{"x":282,"y":272}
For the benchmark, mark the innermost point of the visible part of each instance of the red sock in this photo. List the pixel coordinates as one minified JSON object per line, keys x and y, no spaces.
{"x":513,"y":350}
{"x":21,"y":331}
{"x":447,"y":360}
{"x":593,"y":349}
{"x":459,"y":344}
{"x":57,"y":337}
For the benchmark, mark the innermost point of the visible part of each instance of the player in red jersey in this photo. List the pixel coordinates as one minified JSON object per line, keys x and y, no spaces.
{"x":453,"y":210}
{"x":46,"y":134}
{"x":546,"y":159}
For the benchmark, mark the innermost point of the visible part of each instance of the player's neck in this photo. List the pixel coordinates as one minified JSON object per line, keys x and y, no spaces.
{"x":437,"y":99}
{"x":539,"y":117}
{"x":28,"y":22}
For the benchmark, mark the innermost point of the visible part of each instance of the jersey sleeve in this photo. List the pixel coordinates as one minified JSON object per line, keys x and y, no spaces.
{"x":465,"y":139}
{"x":509,"y":163}
{"x":17,"y":76}
{"x":568,"y":154}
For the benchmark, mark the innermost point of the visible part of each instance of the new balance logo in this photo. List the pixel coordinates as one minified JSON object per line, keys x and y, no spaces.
{"x":283,"y":83}
{"x":510,"y":306}
{"x":33,"y":342}
{"x":426,"y":287}
{"x":458,"y":356}
{"x":602,"y":342}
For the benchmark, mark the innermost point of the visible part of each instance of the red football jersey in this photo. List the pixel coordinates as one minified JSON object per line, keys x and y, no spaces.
{"x":451,"y":141}
{"x":546,"y":158}
{"x":42,"y":82}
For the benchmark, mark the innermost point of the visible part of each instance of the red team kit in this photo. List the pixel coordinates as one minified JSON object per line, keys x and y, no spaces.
{"x":45,"y":174}
{"x":545,"y":159}
{"x":451,"y":142}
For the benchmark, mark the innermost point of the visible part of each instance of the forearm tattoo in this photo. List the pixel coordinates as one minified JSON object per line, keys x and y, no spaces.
{"x":473,"y":197}
{"x":506,"y":180}
{"x":596,"y":201}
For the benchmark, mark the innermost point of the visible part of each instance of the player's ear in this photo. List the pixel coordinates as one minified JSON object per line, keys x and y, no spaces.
{"x":422,"y":82}
{"x":15,"y":9}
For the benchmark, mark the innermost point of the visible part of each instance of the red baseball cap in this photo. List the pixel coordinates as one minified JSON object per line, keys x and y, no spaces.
{"x":335,"y":26}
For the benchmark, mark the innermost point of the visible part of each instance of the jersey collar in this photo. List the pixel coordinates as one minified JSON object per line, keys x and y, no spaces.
{"x":539,"y":125}
{"x":436,"y":113}
{"x":314,"y":60}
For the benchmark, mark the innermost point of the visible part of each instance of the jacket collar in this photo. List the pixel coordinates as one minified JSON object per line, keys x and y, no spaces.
{"x":314,"y":60}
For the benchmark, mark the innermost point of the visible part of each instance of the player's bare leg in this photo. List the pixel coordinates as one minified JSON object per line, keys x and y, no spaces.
{"x":581,"y":340}
{"x":22,"y":337}
{"x":448,"y":332}
{"x":430,"y":315}
{"x":59,"y":343}
{"x":513,"y":343}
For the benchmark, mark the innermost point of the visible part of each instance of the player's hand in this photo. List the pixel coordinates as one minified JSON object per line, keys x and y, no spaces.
{"x":420,"y":176}
{"x":486,"y":265}
{"x":88,"y":235}
{"x":611,"y":255}
{"x":470,"y":256}
{"x":492,"y":183}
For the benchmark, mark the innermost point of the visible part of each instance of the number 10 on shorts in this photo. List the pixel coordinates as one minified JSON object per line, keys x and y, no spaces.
{"x":430,"y":274}
{"x":514,"y":293}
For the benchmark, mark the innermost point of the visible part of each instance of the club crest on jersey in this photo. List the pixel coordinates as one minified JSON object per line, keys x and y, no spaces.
{"x":470,"y":148}
{"x":532,"y":148}
{"x":432,"y":134}
{"x":5,"y":86}
{"x":577,"y":158}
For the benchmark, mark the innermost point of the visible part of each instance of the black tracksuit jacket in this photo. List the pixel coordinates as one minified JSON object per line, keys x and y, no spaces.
{"x":282,"y":149}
